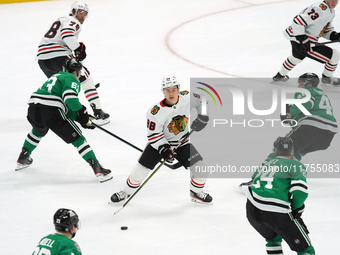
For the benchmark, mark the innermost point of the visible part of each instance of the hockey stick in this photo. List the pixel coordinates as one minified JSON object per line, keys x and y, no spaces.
{"x":174,"y":166}
{"x":141,"y":186}
{"x":320,"y":44}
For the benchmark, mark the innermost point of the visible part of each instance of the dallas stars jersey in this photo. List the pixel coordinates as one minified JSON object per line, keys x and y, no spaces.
{"x":279,"y":186}
{"x":60,"y":90}
{"x":57,"y":244}
{"x":315,"y":21}
{"x":60,"y":39}
{"x":168,"y":124}
{"x":319,"y":106}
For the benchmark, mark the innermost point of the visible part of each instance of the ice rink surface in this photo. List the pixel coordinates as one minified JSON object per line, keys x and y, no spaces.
{"x":131,"y":45}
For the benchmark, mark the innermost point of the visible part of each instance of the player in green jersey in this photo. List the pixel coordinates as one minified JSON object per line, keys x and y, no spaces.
{"x":310,"y":132}
{"x":66,"y":223}
{"x":316,"y":131}
{"x":275,"y":201}
{"x":55,"y":106}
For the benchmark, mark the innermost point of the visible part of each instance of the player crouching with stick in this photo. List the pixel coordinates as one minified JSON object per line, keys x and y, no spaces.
{"x":167,"y":124}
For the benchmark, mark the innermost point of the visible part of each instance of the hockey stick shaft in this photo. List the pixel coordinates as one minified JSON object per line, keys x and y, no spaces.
{"x":175,"y":166}
{"x":155,"y":171}
{"x":116,"y":136}
{"x":328,"y":42}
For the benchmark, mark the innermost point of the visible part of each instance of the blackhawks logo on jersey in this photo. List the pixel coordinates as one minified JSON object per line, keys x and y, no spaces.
{"x":178,"y":124}
{"x":154,"y":110}
{"x":323,"y":6}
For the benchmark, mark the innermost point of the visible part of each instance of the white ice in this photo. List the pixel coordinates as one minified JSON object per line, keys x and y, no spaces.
{"x":131,"y":45}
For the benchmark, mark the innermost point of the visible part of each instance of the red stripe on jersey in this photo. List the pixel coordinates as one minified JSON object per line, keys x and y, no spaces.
{"x":312,"y":39}
{"x":153,"y":138}
{"x":290,"y":29}
{"x":49,"y":48}
{"x":302,"y":24}
{"x":90,"y":95}
{"x":67,"y":32}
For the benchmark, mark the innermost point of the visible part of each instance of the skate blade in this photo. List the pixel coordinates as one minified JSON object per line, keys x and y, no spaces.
{"x":101,"y":122}
{"x":20,"y":166}
{"x":201,"y":202}
{"x":105,"y":178}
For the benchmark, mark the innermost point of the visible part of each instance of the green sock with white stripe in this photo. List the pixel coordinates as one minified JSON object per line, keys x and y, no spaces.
{"x":32,"y":141}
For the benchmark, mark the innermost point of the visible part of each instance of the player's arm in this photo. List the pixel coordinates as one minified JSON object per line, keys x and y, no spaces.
{"x":294,"y":110}
{"x":202,"y":111}
{"x":155,"y":134}
{"x":298,"y":189}
{"x":67,"y":33}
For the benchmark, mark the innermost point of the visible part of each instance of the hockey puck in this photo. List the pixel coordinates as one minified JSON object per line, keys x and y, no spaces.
{"x":123,"y":227}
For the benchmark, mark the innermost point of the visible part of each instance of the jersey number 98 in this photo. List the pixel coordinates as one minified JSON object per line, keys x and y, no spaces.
{"x":151,"y":125}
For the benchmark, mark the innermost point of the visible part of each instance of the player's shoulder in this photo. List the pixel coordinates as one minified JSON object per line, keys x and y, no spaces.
{"x":320,"y":7}
{"x":69,"y":21}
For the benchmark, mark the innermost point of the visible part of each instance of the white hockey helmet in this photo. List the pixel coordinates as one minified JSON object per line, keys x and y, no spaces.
{"x":170,"y":81}
{"x":78,"y":5}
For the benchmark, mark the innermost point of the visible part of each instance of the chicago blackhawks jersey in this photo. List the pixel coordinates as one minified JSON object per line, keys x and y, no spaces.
{"x":320,"y":108}
{"x":315,"y":21}
{"x":60,"y":90}
{"x":57,"y":244}
{"x":168,"y":124}
{"x":61,"y":39}
{"x":279,"y":186}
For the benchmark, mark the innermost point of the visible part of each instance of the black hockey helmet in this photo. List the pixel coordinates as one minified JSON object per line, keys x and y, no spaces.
{"x":309,"y":78}
{"x":64,"y":219}
{"x":71,"y":65}
{"x":283,"y":146}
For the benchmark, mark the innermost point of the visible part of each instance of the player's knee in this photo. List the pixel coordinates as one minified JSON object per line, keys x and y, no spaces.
{"x":335,"y":57}
{"x":79,"y":141}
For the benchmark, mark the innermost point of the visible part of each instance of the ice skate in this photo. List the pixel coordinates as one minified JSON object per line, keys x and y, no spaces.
{"x":24,"y":160}
{"x":102,"y":117}
{"x":278,"y":77}
{"x":330,"y":81}
{"x":119,"y":196}
{"x":102,"y":173}
{"x":202,"y":198}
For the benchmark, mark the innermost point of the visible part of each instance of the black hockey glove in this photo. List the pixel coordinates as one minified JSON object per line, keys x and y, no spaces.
{"x":298,"y":211}
{"x":166,"y":152}
{"x":304,"y":42}
{"x":286,"y":118}
{"x":200,"y":122}
{"x":80,"y":52}
{"x":335,"y":36}
{"x":84,"y":118}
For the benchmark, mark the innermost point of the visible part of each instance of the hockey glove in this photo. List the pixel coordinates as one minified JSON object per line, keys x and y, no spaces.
{"x":334,"y":36}
{"x":298,"y":211}
{"x":200,"y":122}
{"x":304,"y":42}
{"x":286,"y":118}
{"x":84,"y":118}
{"x":80,"y":52}
{"x":166,"y":153}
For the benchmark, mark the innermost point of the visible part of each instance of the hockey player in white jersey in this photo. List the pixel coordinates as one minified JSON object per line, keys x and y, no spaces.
{"x":167,"y":123}
{"x":59,"y":43}
{"x":304,"y":32}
